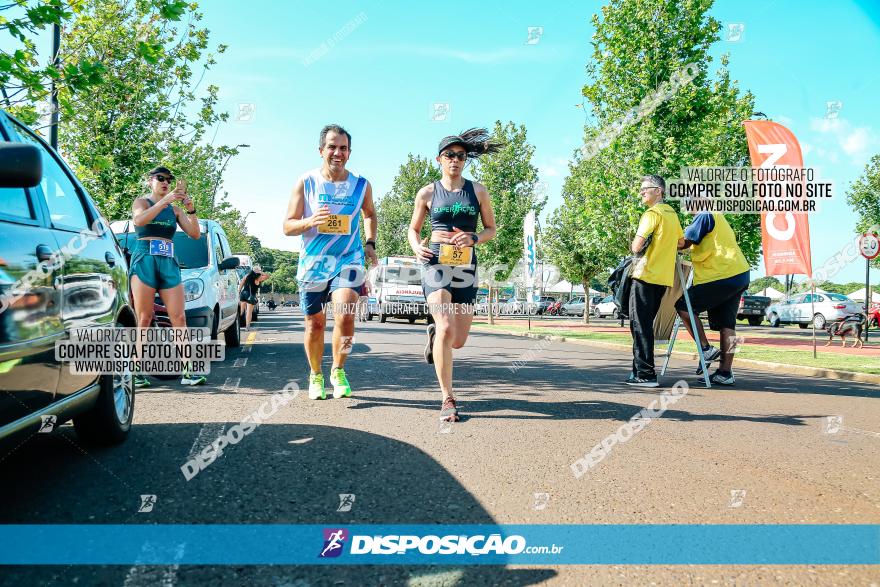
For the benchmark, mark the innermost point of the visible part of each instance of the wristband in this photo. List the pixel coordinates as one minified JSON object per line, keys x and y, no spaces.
{"x":370,"y":242}
{"x":193,"y":212}
{"x":475,"y":237}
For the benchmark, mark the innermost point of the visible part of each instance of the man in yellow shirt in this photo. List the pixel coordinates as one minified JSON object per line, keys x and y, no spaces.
{"x":652,"y":273}
{"x":721,"y":275}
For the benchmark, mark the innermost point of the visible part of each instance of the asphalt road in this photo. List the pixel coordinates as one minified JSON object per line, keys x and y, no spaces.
{"x":521,"y":431}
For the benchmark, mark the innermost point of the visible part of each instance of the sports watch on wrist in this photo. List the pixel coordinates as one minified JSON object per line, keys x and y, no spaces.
{"x":475,"y":237}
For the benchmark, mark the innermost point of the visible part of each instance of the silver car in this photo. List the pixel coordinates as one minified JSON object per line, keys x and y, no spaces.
{"x":818,"y":309}
{"x":574,"y":307}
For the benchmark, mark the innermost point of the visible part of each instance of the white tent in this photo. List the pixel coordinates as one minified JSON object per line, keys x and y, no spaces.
{"x":772,"y":293}
{"x":819,"y":290}
{"x":859,"y":295}
{"x":564,"y":287}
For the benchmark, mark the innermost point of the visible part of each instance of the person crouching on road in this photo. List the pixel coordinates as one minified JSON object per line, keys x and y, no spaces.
{"x":653,"y":272}
{"x":721,"y":275}
{"x":247,"y":292}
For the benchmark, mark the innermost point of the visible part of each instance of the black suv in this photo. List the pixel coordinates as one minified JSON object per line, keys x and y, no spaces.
{"x":59,"y":270}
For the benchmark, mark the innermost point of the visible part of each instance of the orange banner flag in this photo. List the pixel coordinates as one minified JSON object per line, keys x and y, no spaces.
{"x":785,"y":237}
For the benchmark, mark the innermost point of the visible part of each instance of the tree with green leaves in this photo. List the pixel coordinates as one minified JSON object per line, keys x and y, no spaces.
{"x":25,"y":79}
{"x":394,"y":210}
{"x":864,"y":196}
{"x":511,"y":180}
{"x":655,"y":108}
{"x":763,"y":283}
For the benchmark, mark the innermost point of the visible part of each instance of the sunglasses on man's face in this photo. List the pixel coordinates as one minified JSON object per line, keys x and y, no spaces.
{"x":450,"y":155}
{"x":643,"y":189}
{"x":164,"y":178}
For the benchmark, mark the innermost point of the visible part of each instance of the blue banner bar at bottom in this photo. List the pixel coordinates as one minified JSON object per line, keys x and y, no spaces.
{"x":163,"y":544}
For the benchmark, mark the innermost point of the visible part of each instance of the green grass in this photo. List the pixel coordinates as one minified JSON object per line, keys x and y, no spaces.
{"x":757,"y":352}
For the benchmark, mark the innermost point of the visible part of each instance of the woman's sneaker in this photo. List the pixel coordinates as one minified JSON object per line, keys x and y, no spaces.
{"x":429,"y":348}
{"x":316,"y":386}
{"x":641,"y":381}
{"x":449,"y":411}
{"x":190,"y":379}
{"x":339,"y":381}
{"x":141,"y":382}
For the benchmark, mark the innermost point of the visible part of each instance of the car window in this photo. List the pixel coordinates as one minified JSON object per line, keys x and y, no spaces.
{"x":14,"y":202}
{"x":218,"y":250}
{"x":62,"y":198}
{"x":607,"y":299}
{"x":838,"y":297}
{"x":224,"y":244}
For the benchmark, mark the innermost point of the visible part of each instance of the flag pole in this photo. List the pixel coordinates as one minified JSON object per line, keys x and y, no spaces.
{"x":813,"y":313}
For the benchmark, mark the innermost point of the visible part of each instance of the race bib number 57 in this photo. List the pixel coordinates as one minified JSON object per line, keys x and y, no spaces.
{"x":452,"y":255}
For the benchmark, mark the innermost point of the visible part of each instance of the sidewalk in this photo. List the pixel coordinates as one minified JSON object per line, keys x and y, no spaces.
{"x":792,"y":342}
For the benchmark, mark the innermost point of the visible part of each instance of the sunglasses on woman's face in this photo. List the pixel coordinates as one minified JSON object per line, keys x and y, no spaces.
{"x":460,"y":155}
{"x":164,"y":178}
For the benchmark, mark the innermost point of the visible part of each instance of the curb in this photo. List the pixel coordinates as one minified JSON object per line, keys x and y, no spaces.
{"x":758,"y":365}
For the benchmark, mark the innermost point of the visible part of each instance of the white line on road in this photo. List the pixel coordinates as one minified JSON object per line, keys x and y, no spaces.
{"x":240,"y":362}
{"x":231,"y":383}
{"x":209,"y":432}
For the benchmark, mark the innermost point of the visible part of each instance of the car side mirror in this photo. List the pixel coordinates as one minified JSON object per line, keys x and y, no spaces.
{"x":229,"y":263}
{"x":21,"y":165}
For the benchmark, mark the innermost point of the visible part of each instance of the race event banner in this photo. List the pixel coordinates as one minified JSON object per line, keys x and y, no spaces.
{"x":785,"y":237}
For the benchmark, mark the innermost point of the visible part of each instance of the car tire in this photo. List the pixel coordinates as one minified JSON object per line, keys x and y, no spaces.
{"x":412,"y":319}
{"x":108,"y":422}
{"x":773,"y":319}
{"x":382,"y":317}
{"x":233,"y":333}
{"x":597,"y":313}
{"x":369,"y":317}
{"x":819,"y":321}
{"x":755,"y":321}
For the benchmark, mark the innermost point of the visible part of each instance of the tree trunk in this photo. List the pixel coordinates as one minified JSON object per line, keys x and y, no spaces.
{"x":489,"y":310}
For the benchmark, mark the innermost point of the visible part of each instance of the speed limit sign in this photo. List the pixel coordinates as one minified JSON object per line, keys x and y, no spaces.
{"x":869,"y":245}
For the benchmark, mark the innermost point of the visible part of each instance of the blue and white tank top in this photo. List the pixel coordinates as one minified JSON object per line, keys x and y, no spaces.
{"x":325,"y":255}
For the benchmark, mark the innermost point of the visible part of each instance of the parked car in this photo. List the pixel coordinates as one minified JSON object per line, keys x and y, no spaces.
{"x":874,"y":316}
{"x":543,"y":304}
{"x":816,"y":309}
{"x":606,"y":307}
{"x":210,"y":279}
{"x":574,"y":307}
{"x":752,"y":308}
{"x":43,"y":209}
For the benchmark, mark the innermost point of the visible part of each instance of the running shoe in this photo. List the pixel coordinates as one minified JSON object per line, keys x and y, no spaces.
{"x":448,"y":411}
{"x":316,"y":386}
{"x":191,"y":379}
{"x":140,"y":382}
{"x":719,"y":378}
{"x":641,"y":381}
{"x":710,"y":354}
{"x":429,"y":348}
{"x":339,"y":381}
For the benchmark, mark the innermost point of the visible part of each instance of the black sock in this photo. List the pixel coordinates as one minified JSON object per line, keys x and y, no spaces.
{"x":707,"y":347}
{"x":725,"y":373}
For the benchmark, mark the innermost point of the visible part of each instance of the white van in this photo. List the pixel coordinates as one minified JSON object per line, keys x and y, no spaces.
{"x":396,"y":285}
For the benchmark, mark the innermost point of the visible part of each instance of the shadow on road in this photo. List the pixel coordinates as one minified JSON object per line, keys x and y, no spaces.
{"x":280,"y":474}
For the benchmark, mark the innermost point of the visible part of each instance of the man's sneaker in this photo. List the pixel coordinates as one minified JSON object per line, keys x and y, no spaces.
{"x":316,"y":386}
{"x":339,"y":381}
{"x":719,"y":379}
{"x":709,"y":355}
{"x":190,"y":379}
{"x":641,"y":381}
{"x":429,"y":348}
{"x":449,"y":411}
{"x":140,"y":382}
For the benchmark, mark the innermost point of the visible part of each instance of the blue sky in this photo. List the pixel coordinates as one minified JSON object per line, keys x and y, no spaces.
{"x":393,"y":60}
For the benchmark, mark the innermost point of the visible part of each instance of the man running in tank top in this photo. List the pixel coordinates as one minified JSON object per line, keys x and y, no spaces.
{"x":454,"y":205}
{"x":325,"y":208}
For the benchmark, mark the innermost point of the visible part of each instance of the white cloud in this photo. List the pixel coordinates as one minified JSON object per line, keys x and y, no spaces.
{"x":838,"y":134}
{"x":857,"y":141}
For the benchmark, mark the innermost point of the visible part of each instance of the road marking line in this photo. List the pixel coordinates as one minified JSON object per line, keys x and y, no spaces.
{"x":231,"y":383}
{"x":208,"y":433}
{"x":240,"y":362}
{"x":251,"y":338}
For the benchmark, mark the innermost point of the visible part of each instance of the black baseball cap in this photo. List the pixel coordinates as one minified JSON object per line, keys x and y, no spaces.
{"x":451,"y":140}
{"x":162,"y":170}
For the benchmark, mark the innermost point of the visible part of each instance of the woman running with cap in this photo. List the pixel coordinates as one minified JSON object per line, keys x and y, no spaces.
{"x":153,"y":266}
{"x":454,"y":204}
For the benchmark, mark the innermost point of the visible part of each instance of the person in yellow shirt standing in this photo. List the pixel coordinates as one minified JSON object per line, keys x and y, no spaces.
{"x":721,"y":275}
{"x":653,"y":271}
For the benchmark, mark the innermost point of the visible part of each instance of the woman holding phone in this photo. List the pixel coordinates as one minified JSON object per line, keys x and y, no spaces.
{"x":453,"y":204}
{"x":153,"y":266}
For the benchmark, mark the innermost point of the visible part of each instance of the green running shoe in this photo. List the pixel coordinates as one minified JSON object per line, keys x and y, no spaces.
{"x":140,"y":382}
{"x":341,"y":388}
{"x":316,"y":386}
{"x":190,"y":379}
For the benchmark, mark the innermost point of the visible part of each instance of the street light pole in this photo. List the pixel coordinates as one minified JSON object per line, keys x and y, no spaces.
{"x":244,"y":220}
{"x":53,"y":100}
{"x":220,"y":175}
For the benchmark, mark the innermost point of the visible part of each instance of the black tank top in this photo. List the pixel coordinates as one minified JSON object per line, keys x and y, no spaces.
{"x":459,"y":209}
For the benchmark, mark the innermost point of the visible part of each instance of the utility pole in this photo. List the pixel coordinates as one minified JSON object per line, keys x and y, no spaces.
{"x":53,"y":102}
